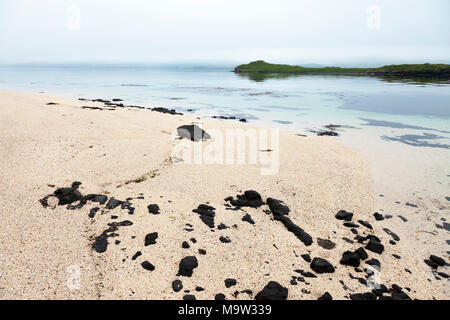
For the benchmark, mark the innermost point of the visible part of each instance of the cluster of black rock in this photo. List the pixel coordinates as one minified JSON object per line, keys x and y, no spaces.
{"x":229,"y":118}
{"x":73,"y":199}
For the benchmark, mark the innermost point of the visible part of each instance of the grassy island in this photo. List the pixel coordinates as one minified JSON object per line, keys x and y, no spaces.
{"x":395,"y":70}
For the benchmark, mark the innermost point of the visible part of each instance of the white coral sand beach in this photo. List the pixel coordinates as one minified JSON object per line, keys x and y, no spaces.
{"x":127,"y":154}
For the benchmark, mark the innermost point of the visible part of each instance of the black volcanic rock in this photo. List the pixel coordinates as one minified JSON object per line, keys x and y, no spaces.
{"x":147,"y":266}
{"x":374,"y":262}
{"x":151,"y":238}
{"x":193,"y":132}
{"x":68,"y":195}
{"x":206,"y":213}
{"x":378,"y":216}
{"x":320,"y":265}
{"x":248,"y":218}
{"x":189,"y":297}
{"x":177,"y":285}
{"x":344,"y":215}
{"x":350,"y":259}
{"x":277,"y":207}
{"x":365,"y":224}
{"x":326,"y":244}
{"x":375,"y":246}
{"x":363,"y":296}
{"x":219,"y":297}
{"x":295,"y":229}
{"x":187,"y":265}
{"x":325,"y":296}
{"x":185,"y":245}
{"x":230,"y":282}
{"x":272,"y":291}
{"x":224,"y":239}
{"x":153,"y":209}
{"x":306,"y":257}
{"x":113,"y":203}
{"x":431,"y":264}
{"x":438,"y":260}
{"x":250,"y":198}
{"x":136,"y":255}
{"x":362,"y":253}
{"x":165,"y":110}
{"x":392,"y":234}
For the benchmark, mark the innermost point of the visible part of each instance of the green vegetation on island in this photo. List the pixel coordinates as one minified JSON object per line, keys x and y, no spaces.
{"x":395,"y":70}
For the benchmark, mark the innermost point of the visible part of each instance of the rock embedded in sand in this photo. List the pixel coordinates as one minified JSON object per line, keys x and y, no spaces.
{"x":392,"y":234}
{"x":224,"y":239}
{"x":365,"y":224}
{"x":325,"y":296}
{"x":153,"y":209}
{"x":230,"y":282}
{"x":206,"y":213}
{"x":177,"y":285}
{"x":202,"y":251}
{"x":350,"y":259}
{"x":92,"y":212}
{"x":113,"y":203}
{"x":185,"y":245}
{"x":272,"y":291}
{"x":165,"y":110}
{"x":375,"y":246}
{"x":363,"y":296}
{"x":344,"y":215}
{"x":374,"y":262}
{"x":151,"y":238}
{"x":189,"y":297}
{"x":326,"y":244}
{"x":187,"y":265}
{"x":306,"y":257}
{"x":320,"y":265}
{"x":278,"y":207}
{"x":250,"y":198}
{"x":378,"y":216}
{"x":68,"y":195}
{"x":362,"y":253}
{"x":431,"y":264}
{"x":438,"y":260}
{"x":248,"y":218}
{"x":136,"y":255}
{"x":193,"y":132}
{"x":147,"y":266}
{"x":219,"y":297}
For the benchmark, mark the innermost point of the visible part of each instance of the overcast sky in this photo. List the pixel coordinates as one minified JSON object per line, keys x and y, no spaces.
{"x":331,"y":32}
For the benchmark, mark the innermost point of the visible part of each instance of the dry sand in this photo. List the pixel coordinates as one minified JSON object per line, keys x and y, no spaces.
{"x":44,"y":147}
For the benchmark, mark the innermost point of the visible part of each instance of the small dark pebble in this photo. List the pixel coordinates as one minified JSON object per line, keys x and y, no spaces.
{"x":344,"y":215}
{"x":177,"y":285}
{"x":320,"y":265}
{"x":230,"y":282}
{"x":151,"y":238}
{"x":219,"y":296}
{"x":136,"y":255}
{"x":185,"y":245}
{"x":153,"y":209}
{"x":272,"y":291}
{"x":306,"y":257}
{"x":438,"y":260}
{"x":147,"y":266}
{"x":325,"y":296}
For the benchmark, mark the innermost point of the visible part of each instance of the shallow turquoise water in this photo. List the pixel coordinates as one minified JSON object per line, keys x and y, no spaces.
{"x":299,"y":102}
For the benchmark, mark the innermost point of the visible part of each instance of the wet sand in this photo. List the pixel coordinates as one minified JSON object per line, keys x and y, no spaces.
{"x":127,"y":153}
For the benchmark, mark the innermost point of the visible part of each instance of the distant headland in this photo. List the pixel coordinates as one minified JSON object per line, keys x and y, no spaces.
{"x":416,"y":70}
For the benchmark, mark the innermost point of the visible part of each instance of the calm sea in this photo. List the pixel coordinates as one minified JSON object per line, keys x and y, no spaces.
{"x":303,"y":103}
